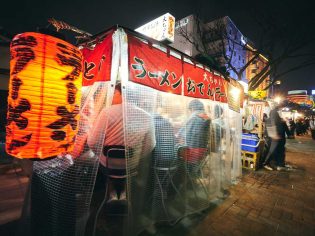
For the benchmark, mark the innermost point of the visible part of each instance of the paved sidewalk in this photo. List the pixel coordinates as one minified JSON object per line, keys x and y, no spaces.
{"x":264,"y":202}
{"x":13,"y":184}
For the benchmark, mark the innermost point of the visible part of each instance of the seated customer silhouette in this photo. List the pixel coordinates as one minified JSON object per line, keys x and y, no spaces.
{"x":164,"y":151}
{"x":195,"y":135}
{"x":217,"y":130}
{"x":111,"y":120}
{"x":164,"y":155}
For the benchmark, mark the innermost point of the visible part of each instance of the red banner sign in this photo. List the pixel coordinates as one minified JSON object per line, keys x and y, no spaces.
{"x":97,"y":61}
{"x":152,"y":67}
{"x":159,"y":70}
{"x":200,"y":83}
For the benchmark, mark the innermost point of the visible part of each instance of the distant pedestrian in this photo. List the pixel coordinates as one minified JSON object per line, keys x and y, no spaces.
{"x":312,"y":127}
{"x":299,"y":127}
{"x":277,"y":130}
{"x":306,"y":125}
{"x":292,"y":127}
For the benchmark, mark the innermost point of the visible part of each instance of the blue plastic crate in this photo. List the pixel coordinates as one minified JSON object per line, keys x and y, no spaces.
{"x":250,"y":139}
{"x":248,"y":135}
{"x":250,"y":148}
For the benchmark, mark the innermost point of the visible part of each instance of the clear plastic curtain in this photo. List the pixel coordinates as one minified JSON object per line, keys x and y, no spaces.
{"x":235,"y":120}
{"x":61,"y":188}
{"x":169,"y":174}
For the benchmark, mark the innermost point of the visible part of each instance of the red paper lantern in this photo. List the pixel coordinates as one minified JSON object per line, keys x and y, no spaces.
{"x":44,"y":96}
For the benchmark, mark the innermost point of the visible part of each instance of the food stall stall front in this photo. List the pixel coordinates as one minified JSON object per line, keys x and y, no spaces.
{"x":168,"y":175}
{"x":253,"y":137}
{"x":171,"y":169}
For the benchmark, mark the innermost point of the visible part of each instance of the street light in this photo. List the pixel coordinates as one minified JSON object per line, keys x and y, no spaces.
{"x":278,"y":99}
{"x":271,"y":84}
{"x":277,"y":82}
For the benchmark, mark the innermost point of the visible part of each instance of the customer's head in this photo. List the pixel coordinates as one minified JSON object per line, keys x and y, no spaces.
{"x":196,"y":105}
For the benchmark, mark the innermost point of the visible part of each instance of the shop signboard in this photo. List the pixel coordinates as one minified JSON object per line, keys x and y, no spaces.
{"x":234,"y":98}
{"x":97,"y":61}
{"x":306,"y":103}
{"x":297,"y":92}
{"x":258,"y":94}
{"x":160,"y":29}
{"x":156,"y":69}
{"x":302,"y":100}
{"x":257,"y":109}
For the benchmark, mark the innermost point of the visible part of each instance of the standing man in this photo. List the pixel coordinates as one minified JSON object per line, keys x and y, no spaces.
{"x":276,"y":130}
{"x":292,"y":127}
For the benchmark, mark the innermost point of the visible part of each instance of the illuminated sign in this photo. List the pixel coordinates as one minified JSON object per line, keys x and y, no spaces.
{"x":302,"y":100}
{"x":295,"y":92}
{"x":161,"y":28}
{"x":234,"y":98}
{"x":181,"y":23}
{"x":259,"y":94}
{"x":313,"y":92}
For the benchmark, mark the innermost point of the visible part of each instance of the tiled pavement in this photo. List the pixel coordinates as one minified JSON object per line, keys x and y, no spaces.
{"x":262,"y":203}
{"x":13,"y":184}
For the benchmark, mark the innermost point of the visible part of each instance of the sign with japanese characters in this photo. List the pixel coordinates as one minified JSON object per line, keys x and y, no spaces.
{"x":152,"y":67}
{"x":159,"y":70}
{"x":161,"y":28}
{"x":97,"y":61}
{"x":257,"y":109}
{"x":258,"y":94}
{"x":200,"y":83}
{"x":44,"y":96}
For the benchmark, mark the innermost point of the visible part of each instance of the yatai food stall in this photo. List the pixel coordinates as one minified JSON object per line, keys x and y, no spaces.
{"x":167,"y":177}
{"x":253,"y":139}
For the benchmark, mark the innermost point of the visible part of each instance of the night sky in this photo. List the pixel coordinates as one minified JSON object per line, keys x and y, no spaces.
{"x":95,"y":16}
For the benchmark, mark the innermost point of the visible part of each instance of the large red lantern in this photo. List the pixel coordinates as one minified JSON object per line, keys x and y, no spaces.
{"x":44,"y":96}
